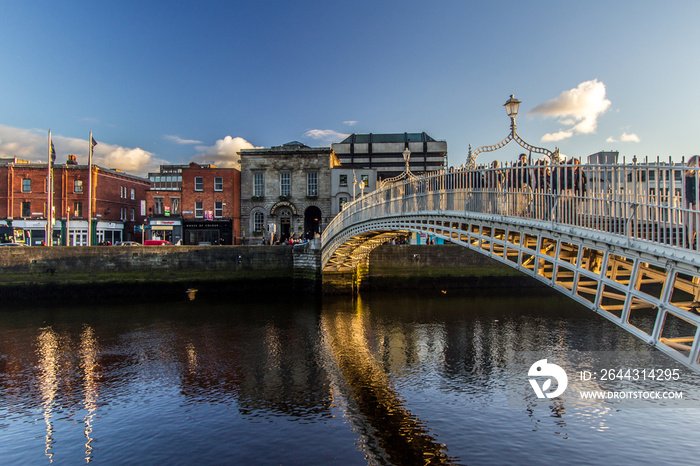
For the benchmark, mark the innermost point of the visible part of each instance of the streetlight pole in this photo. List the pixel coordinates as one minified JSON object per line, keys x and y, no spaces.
{"x":512,"y":106}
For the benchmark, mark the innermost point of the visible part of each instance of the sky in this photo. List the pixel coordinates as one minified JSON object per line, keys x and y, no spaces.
{"x":174,"y":82}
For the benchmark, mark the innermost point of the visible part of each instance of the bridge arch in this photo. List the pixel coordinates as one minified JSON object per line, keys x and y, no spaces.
{"x":650,"y":288}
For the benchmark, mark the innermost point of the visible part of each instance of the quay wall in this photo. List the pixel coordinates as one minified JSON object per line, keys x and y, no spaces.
{"x":429,"y":268}
{"x":153,"y":270}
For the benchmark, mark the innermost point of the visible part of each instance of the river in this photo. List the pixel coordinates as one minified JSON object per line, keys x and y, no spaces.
{"x":385,"y":378}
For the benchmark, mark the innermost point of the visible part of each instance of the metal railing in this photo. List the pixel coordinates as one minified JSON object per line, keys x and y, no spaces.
{"x":654,"y":202}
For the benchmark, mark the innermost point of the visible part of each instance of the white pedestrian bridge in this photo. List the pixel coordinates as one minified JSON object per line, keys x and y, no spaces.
{"x":624,"y":246}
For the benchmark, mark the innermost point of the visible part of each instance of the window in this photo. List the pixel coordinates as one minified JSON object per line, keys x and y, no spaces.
{"x":258,"y":221}
{"x":26,"y":185}
{"x":198,"y":183}
{"x":198,"y":209}
{"x":312,"y":184}
{"x":157,"y":205}
{"x":342,"y":201}
{"x":77,"y":209}
{"x":343,"y":181}
{"x":26,"y":209}
{"x":285,"y":184}
{"x":133,"y":214}
{"x":78,"y":186}
{"x":258,"y":184}
{"x":218,"y":209}
{"x":218,"y":184}
{"x":175,"y":205}
{"x":122,"y":213}
{"x":133,"y":194}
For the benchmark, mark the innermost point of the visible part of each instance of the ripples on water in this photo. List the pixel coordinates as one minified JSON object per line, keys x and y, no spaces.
{"x":386,"y":378}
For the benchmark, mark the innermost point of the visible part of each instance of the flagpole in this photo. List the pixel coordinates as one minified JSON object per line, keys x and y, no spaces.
{"x":89,"y":212}
{"x":48,"y":196}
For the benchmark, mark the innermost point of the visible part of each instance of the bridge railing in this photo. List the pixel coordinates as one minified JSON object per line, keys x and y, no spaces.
{"x":652,"y":202}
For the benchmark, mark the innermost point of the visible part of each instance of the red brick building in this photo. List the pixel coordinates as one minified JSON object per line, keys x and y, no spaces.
{"x":195,"y":204}
{"x":118,"y":202}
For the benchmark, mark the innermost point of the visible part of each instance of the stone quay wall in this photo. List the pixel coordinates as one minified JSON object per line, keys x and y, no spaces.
{"x":427,"y":267}
{"x":153,"y":270}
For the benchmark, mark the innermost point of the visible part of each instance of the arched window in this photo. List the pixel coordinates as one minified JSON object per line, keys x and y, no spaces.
{"x":258,"y":221}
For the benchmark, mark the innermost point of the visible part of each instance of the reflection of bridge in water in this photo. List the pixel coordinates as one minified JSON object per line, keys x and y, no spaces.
{"x":624,"y":247}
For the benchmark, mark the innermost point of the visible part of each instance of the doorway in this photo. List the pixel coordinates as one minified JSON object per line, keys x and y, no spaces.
{"x":312,"y":221}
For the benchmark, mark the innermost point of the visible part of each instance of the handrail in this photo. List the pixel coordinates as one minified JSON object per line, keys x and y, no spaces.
{"x":646,"y":202}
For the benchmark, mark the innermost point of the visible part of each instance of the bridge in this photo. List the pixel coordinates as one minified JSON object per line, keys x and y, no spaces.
{"x":619,"y":239}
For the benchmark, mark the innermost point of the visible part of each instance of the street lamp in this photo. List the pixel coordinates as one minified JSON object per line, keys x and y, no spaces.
{"x":406,"y":172}
{"x":512,"y":106}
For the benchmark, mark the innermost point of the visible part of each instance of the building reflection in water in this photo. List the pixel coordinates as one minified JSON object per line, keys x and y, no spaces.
{"x":89,"y":352}
{"x":302,"y":362}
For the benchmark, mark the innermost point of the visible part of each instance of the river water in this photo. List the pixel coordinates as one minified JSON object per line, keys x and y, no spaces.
{"x":389,"y":378}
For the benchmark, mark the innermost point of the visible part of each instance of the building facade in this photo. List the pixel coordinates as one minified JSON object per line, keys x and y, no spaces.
{"x":347,"y":184}
{"x":384,"y":153}
{"x":285,"y":191}
{"x":194,"y":204}
{"x":118,"y":202}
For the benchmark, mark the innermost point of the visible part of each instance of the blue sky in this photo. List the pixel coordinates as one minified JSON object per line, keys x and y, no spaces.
{"x":171,"y":82}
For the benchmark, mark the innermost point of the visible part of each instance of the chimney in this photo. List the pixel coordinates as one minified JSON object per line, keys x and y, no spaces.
{"x":71,"y":160}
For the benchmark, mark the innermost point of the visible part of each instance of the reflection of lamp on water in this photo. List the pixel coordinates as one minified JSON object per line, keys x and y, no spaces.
{"x":512,"y":106}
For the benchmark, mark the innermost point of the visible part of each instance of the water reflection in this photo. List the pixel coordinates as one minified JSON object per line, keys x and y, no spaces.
{"x":385,"y":379}
{"x":47,"y":347}
{"x":390,"y":433}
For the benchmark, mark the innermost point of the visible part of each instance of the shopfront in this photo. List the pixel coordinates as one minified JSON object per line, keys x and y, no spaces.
{"x":208,"y":232}
{"x":166,"y":230}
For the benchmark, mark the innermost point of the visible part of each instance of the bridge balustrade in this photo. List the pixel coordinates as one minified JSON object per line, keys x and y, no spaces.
{"x":645,"y":202}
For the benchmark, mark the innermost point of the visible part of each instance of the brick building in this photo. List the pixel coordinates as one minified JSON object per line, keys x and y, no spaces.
{"x":285,"y":191}
{"x":118,"y":202}
{"x":195,"y":204}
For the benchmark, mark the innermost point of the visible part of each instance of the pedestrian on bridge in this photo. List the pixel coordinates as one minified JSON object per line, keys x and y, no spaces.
{"x":691,"y":217}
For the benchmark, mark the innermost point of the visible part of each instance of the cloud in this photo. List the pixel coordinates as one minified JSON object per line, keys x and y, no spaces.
{"x":31,"y":145}
{"x":350,"y":122}
{"x":179,"y":140}
{"x":578,"y":108}
{"x":325,"y":135}
{"x":625,"y":137}
{"x":224,"y":153}
{"x":559,"y":136}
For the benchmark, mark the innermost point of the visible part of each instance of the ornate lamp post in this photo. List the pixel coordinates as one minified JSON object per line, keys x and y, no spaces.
{"x":512,"y":106}
{"x":406,"y":172}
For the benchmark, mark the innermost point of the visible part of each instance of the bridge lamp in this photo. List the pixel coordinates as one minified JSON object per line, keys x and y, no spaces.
{"x":512,"y":106}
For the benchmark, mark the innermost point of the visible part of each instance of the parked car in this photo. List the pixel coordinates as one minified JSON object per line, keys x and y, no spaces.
{"x":156,"y":242}
{"x":127,"y":243}
{"x":12,"y":244}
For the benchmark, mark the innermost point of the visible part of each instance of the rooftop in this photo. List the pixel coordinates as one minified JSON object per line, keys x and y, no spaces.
{"x":387,"y":138}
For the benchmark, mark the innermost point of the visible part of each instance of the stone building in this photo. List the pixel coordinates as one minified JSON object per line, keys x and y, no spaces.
{"x":384,"y":153}
{"x":285,"y":191}
{"x":195,"y":204}
{"x":118,"y":202}
{"x":347,"y":184}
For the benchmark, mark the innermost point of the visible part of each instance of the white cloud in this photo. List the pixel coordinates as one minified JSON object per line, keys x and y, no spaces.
{"x":625,"y":137}
{"x":629,"y":137}
{"x":32,"y":145}
{"x":350,"y":122}
{"x":179,"y":140}
{"x":559,"y":136}
{"x":224,"y":153}
{"x":578,"y":108}
{"x":325,"y":135}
